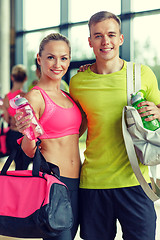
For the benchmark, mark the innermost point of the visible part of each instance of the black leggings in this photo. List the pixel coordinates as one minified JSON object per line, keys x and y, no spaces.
{"x":73,"y":186}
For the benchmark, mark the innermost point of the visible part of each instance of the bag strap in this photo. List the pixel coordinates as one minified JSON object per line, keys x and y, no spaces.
{"x":133,"y":81}
{"x":129,"y":81}
{"x":2,"y":126}
{"x":2,"y":129}
{"x":39,"y":162}
{"x":134,"y":161}
{"x":127,"y":138}
{"x":137,"y":76}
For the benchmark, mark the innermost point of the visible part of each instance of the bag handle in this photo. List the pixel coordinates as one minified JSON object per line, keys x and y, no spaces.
{"x":2,"y":129}
{"x":133,"y":83}
{"x":2,"y":126}
{"x":134,"y":161}
{"x":127,"y":138}
{"x":129,"y":81}
{"x":38,"y":162}
{"x":137,"y":76}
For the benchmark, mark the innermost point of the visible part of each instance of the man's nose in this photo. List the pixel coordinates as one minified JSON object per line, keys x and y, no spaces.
{"x":105,"y":40}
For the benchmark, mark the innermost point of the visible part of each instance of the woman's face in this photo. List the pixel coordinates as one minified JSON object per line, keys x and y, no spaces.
{"x":54,"y":60}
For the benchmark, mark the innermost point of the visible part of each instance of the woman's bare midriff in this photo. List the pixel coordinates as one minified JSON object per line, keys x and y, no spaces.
{"x":63,"y":152}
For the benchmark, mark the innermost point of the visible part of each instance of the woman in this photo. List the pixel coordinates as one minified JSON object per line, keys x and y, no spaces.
{"x":60,"y":118}
{"x":18,"y":78}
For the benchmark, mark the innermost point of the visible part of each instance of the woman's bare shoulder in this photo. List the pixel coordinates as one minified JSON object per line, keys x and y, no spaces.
{"x":34,"y":94}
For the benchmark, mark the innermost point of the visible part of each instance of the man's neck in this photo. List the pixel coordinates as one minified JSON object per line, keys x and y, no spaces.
{"x":107,"y":67}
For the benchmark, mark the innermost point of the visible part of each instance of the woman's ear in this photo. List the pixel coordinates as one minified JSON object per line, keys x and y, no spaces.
{"x":12,"y":78}
{"x":38,"y":59}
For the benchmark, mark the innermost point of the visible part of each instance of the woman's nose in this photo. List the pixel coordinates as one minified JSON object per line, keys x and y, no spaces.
{"x":57,"y":63}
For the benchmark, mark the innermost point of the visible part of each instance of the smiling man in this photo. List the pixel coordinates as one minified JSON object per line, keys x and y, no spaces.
{"x":109,"y":189}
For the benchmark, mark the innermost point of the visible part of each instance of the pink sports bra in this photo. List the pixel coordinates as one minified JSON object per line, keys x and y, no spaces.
{"x":11,"y":95}
{"x":58,"y":121}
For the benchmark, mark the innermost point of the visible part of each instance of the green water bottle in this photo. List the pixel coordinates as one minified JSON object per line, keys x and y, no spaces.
{"x":137,"y":98}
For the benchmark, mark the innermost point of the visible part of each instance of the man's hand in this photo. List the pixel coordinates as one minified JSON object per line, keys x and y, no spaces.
{"x":83,"y":68}
{"x":149,"y":108}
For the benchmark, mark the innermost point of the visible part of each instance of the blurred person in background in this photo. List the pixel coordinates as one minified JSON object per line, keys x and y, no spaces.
{"x":18,"y":78}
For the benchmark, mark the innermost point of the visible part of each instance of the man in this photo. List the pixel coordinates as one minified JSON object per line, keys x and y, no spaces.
{"x":109,"y":189}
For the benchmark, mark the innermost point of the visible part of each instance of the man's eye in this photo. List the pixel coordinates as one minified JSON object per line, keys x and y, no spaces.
{"x":50,"y":57}
{"x":98,"y":36}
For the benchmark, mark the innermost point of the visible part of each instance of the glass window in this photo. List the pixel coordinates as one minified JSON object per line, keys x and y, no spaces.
{"x":78,"y":36}
{"x":31,"y":48}
{"x":143,"y":5}
{"x":41,"y":14}
{"x":146,"y":42}
{"x":82,"y":10}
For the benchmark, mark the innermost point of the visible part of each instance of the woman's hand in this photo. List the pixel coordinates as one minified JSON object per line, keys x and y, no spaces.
{"x":149,"y":108}
{"x":83,"y":67}
{"x":21,"y":122}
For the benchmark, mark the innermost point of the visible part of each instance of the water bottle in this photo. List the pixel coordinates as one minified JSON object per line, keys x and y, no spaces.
{"x":21,"y":105}
{"x":137,"y":98}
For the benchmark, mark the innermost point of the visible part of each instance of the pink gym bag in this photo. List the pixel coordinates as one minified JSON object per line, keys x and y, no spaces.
{"x":33,"y":203}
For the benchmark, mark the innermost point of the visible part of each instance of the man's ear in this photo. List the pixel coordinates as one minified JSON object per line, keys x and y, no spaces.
{"x":121,"y":40}
{"x":89,"y":40}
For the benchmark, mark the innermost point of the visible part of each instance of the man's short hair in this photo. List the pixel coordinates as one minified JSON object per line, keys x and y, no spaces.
{"x":101,"y":16}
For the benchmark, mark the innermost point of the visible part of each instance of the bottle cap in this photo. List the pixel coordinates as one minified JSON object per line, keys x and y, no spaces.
{"x":17,"y":101}
{"x":20,"y":101}
{"x":137,"y":96}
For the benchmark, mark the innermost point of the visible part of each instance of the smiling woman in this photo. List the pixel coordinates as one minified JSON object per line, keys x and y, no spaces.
{"x":56,"y":57}
{"x":60,"y":118}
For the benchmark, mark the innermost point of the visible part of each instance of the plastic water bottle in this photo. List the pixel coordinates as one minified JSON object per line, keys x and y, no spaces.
{"x":137,"y":98}
{"x":21,"y":105}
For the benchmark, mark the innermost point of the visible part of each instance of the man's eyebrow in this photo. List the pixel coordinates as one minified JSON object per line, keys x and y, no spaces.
{"x":111,"y":32}
{"x":97,"y":33}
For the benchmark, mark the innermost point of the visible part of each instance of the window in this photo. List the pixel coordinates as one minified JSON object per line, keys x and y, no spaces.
{"x":40,"y":18}
{"x":144,"y":5}
{"x":31,"y":43}
{"x":78,"y":36}
{"x":82,"y":10}
{"x":40,"y":14}
{"x":146,"y":43}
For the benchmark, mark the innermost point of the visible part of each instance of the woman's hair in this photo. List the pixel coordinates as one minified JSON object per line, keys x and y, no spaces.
{"x":19,"y":73}
{"x":101,"y":16}
{"x":53,"y":37}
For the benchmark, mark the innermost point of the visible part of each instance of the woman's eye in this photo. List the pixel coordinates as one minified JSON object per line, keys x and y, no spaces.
{"x":64,"y":58}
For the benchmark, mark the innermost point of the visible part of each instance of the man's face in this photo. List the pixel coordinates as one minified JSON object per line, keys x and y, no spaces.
{"x":105,"y":39}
